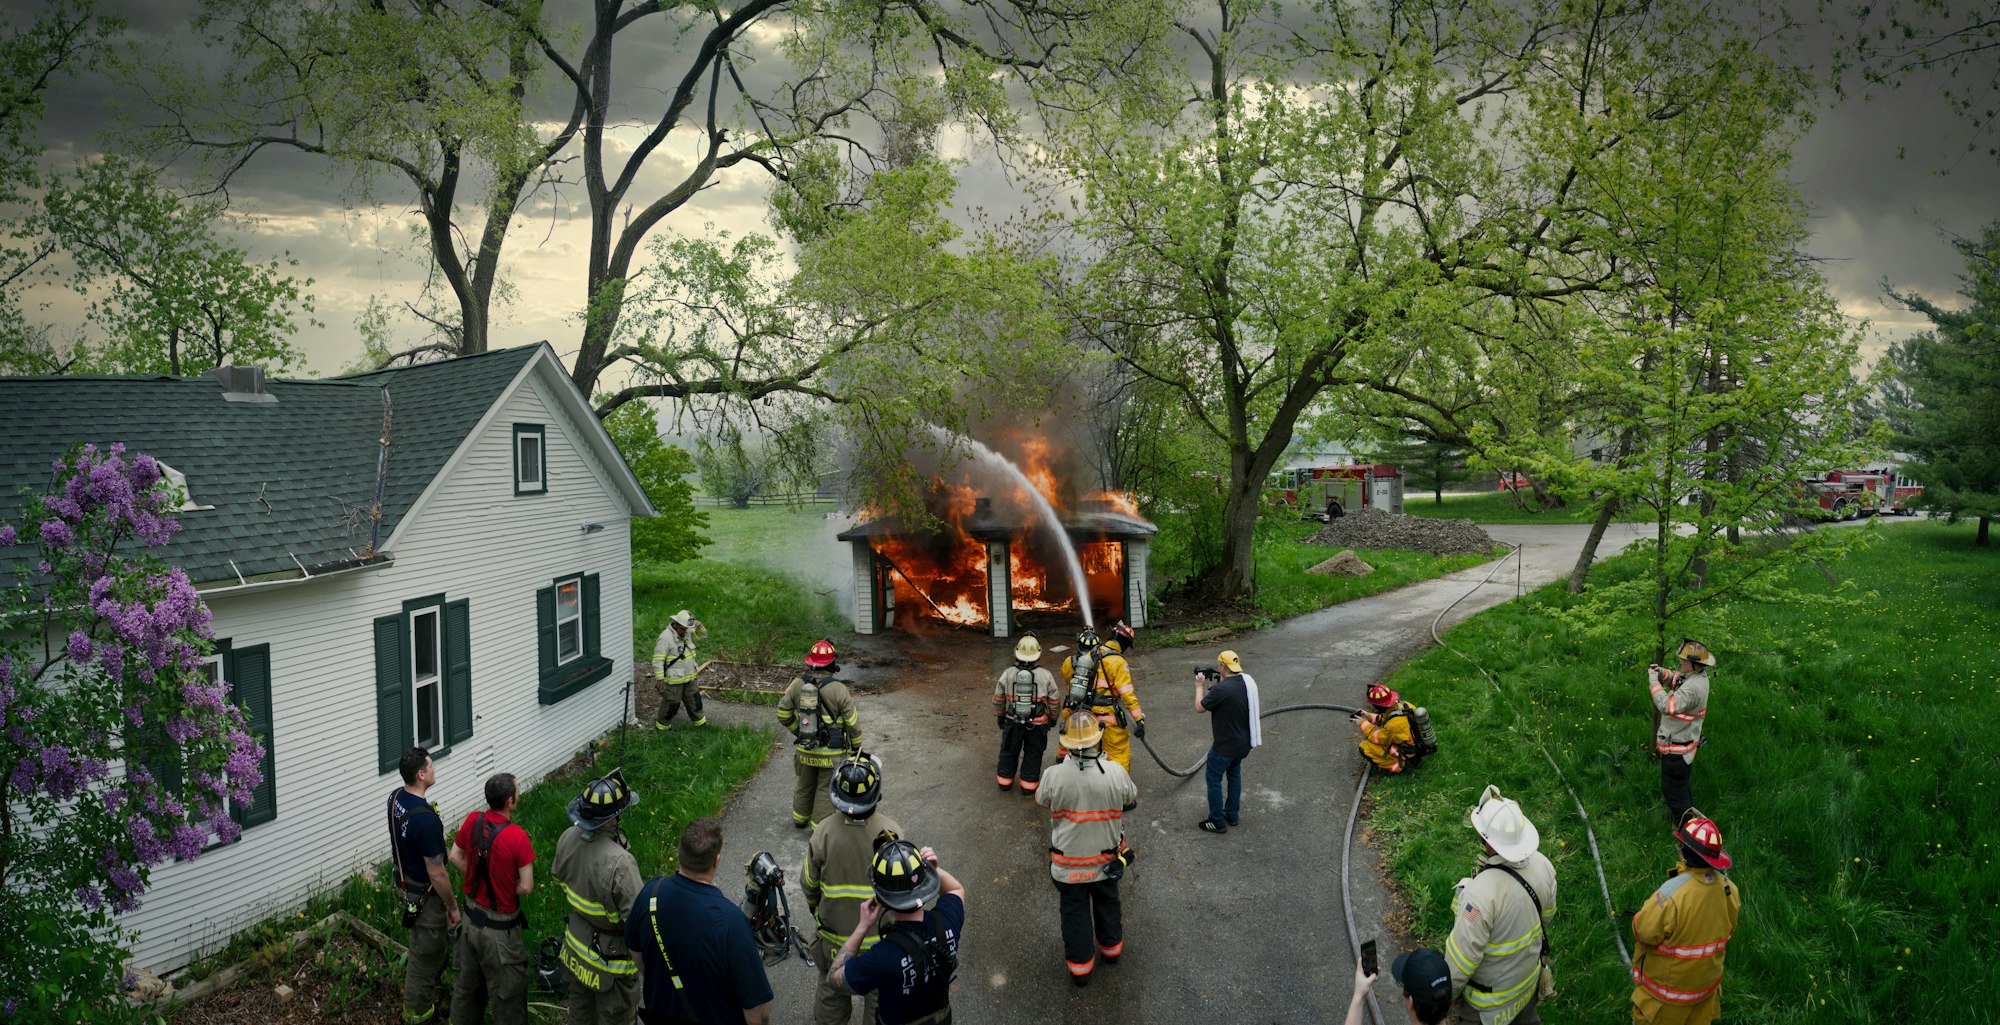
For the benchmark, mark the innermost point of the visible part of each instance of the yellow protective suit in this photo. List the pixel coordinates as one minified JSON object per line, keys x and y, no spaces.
{"x":1112,"y":686}
{"x":1682,"y":933}
{"x":1385,"y":737}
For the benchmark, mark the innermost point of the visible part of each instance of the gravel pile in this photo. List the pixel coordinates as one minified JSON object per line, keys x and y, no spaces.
{"x":1368,"y":527}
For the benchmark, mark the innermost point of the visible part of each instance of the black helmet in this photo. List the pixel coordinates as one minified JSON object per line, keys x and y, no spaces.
{"x":856,"y":786}
{"x":1124,"y":636}
{"x":602,"y":800}
{"x":903,"y":881}
{"x":1087,"y":640}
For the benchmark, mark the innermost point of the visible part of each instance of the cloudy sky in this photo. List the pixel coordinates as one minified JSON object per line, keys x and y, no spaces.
{"x":1886,"y":179}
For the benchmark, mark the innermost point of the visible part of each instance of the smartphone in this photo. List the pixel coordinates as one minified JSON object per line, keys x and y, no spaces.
{"x":1368,"y":958}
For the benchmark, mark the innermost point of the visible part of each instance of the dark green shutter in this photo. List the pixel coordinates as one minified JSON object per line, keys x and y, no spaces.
{"x":545,"y":630}
{"x":392,"y":693}
{"x":250,"y":682}
{"x":457,"y":671}
{"x":590,"y":634}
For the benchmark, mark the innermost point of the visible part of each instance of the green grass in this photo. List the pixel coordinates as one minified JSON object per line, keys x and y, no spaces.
{"x":681,"y":776}
{"x":1500,"y":507}
{"x":1852,"y":769}
{"x":759,"y":588}
{"x":1285,"y":589}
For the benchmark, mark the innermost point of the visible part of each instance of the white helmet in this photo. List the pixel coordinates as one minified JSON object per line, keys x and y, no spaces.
{"x":1505,"y":828}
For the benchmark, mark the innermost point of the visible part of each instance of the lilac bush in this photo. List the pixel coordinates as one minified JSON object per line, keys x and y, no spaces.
{"x":116,"y":751}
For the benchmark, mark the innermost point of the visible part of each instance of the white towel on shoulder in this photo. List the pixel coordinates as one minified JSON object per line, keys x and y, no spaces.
{"x":1256,"y":722}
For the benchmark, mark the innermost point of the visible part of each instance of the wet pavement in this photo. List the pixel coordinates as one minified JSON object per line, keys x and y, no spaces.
{"x":1244,"y":927}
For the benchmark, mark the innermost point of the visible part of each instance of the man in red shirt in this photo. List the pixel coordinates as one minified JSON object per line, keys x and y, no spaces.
{"x":496,"y":860}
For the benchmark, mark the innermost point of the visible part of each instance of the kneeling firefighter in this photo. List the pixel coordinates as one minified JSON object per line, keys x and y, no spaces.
{"x":836,"y":879}
{"x":1100,"y":680}
{"x":1397,"y":735}
{"x":1025,"y":700}
{"x":819,"y":713}
{"x":601,"y":880}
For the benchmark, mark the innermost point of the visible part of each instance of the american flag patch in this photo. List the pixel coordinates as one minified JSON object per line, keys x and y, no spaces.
{"x":1471,"y":913}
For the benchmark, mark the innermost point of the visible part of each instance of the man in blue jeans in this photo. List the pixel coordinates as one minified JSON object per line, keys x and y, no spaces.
{"x":1229,"y":696}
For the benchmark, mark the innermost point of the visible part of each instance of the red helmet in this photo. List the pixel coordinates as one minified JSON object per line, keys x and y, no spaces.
{"x":1124,"y":636}
{"x":1701,"y":836}
{"x":821,"y":655}
{"x":1382,"y":697}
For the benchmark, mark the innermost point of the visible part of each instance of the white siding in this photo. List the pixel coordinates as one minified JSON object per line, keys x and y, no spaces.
{"x":474,"y":539}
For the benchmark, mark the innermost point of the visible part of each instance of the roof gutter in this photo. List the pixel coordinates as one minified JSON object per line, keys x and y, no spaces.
{"x":219,"y":588}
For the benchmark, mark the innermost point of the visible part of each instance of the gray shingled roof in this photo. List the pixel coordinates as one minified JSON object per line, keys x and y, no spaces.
{"x":290,"y":483}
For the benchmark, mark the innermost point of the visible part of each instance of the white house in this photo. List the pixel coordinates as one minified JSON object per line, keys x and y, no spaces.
{"x":486,"y":614}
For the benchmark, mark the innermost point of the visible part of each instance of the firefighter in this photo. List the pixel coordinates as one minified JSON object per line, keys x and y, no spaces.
{"x":1681,"y":700}
{"x":1387,"y":736}
{"x":836,"y":877}
{"x":819,"y":713}
{"x":597,"y":873}
{"x":1025,"y":700}
{"x":1681,"y":933}
{"x":1105,"y":678}
{"x":1497,"y":944}
{"x":675,"y":667}
{"x":1087,"y":800}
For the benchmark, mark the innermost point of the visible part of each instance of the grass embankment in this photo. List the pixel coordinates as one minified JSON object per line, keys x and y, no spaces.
{"x":680,"y":776}
{"x":1285,"y":589}
{"x":1853,"y":772}
{"x":754,"y":609}
{"x":1502,"y":507}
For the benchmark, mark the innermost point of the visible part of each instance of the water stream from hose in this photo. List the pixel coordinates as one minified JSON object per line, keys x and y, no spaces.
{"x":996,"y":461}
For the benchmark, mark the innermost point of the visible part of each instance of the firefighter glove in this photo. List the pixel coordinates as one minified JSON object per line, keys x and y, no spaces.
{"x":1139,"y":728}
{"x":1001,"y":722}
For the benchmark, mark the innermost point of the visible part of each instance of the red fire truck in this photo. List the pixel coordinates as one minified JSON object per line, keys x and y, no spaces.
{"x":1324,"y":492}
{"x":1849,"y":494}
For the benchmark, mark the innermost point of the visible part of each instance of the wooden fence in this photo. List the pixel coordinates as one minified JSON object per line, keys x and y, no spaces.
{"x":798,"y":500}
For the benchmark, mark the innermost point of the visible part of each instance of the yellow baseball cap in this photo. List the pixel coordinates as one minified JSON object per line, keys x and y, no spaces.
{"x":1229,"y":660}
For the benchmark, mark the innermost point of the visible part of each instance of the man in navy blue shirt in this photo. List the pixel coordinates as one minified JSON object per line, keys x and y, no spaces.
{"x":700,"y":964}
{"x":416,"y":843}
{"x":911,"y":967}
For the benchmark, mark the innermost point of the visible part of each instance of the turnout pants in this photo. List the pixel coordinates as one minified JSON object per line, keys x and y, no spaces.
{"x":1022,"y":745}
{"x":1092,"y":924}
{"x":430,"y":940}
{"x":673,"y":696}
{"x":1530,"y":1015}
{"x":831,"y":1006}
{"x":1676,"y":785}
{"x":1651,"y":1010}
{"x":617,"y":1004}
{"x":810,"y":801}
{"x":492,"y":968}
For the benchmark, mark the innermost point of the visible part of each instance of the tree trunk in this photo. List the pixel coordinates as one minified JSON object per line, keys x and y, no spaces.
{"x":1581,"y":571}
{"x":1980,"y":541}
{"x":1662,"y":582}
{"x":1236,"y":576}
{"x":174,"y":350}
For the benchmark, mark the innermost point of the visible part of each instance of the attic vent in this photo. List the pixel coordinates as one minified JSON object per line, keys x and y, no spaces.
{"x":180,"y":481}
{"x":243,"y":384}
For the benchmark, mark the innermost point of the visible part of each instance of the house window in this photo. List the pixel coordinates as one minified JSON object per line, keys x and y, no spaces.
{"x":247,"y":671}
{"x":569,"y":637}
{"x":423,"y":679}
{"x":531,"y":462}
{"x":427,"y":683}
{"x":569,"y":619}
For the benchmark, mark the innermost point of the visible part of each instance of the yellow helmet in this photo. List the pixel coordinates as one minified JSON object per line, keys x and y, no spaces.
{"x":1696,"y":652}
{"x":1081,"y":731}
{"x":1028,"y":649}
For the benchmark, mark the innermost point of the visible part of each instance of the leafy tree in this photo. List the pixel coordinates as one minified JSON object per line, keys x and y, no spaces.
{"x":1427,"y":463}
{"x":734,"y":469}
{"x":675,"y":535}
{"x":1943,"y":399}
{"x":1333,"y":195}
{"x":1893,"y":41}
{"x":438,"y":94}
{"x":118,"y":752}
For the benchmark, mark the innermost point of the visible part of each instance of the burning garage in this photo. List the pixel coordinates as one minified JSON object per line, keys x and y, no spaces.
{"x":1001,"y":550}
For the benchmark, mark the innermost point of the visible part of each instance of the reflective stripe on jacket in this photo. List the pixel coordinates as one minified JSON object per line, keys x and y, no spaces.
{"x":1086,"y":815}
{"x":600,"y":879}
{"x":1384,"y":742}
{"x":836,"y":874}
{"x":673,"y":657}
{"x":1682,"y":710}
{"x":1047,"y":696}
{"x":1495,"y":949}
{"x":1682,"y":935}
{"x":836,"y":708}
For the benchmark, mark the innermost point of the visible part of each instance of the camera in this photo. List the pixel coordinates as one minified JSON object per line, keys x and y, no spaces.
{"x":1207,"y":675}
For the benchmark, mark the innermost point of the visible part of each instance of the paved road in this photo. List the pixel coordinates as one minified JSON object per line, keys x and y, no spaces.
{"x":1239,"y":928}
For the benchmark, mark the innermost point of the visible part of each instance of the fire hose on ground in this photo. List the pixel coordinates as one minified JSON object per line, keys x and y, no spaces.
{"x":1354,"y":807}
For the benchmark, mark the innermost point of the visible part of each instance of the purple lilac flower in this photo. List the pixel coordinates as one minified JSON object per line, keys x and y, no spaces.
{"x":56,"y":533}
{"x":79,"y":647}
{"x":89,"y":897}
{"x":7,"y":535}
